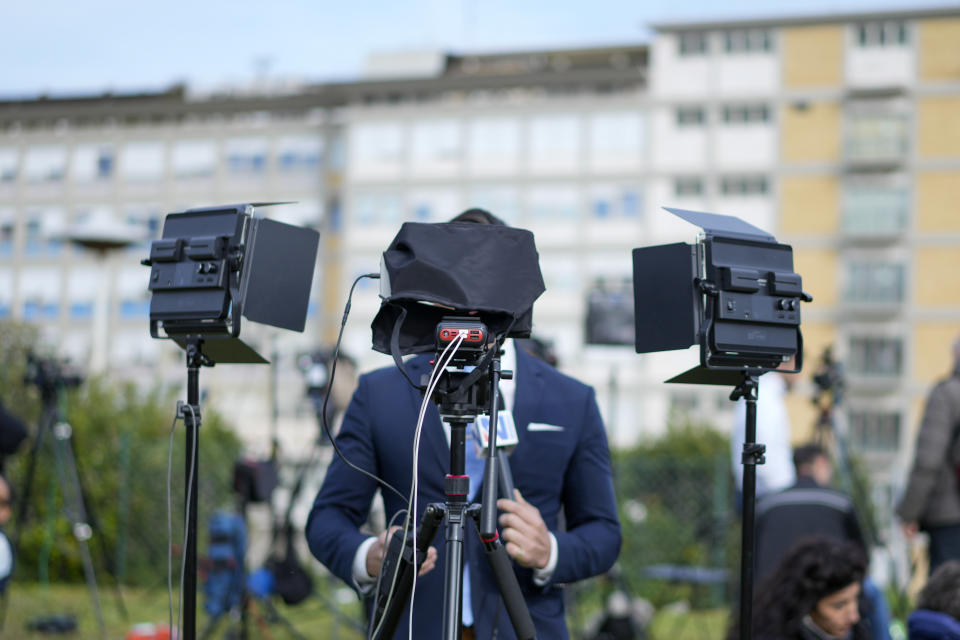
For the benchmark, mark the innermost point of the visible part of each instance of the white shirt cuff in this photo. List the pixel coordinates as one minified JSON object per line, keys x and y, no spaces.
{"x":542,"y":576}
{"x":361,"y":578}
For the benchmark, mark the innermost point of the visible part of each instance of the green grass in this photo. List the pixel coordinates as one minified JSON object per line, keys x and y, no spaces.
{"x":693,"y":625}
{"x":26,"y":602}
{"x":312,"y":618}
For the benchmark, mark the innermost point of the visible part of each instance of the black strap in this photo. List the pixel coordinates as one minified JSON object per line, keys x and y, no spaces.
{"x":395,"y":348}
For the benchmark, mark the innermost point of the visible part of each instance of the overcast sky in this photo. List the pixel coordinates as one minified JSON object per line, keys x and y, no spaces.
{"x":59,"y":47}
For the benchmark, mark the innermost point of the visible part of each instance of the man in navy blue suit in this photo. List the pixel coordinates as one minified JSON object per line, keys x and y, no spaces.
{"x":561,"y":527}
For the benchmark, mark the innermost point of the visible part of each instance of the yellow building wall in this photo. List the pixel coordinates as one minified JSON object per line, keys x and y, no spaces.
{"x":818,"y":267}
{"x":809,"y":204}
{"x":938,"y":49}
{"x":938,"y":127}
{"x":936,"y":277}
{"x":811,"y":134}
{"x":812,"y":56}
{"x":938,"y":200}
{"x":932,"y":344}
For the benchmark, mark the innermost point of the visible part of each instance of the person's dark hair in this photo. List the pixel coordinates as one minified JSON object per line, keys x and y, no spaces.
{"x":813,"y":569}
{"x":807,"y":453}
{"x":480,"y":216}
{"x":942,"y":592}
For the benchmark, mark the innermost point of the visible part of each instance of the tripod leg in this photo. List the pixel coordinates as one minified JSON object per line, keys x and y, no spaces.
{"x":453,"y":577}
{"x":508,"y":586}
{"x":73,"y":506}
{"x":109,"y":565}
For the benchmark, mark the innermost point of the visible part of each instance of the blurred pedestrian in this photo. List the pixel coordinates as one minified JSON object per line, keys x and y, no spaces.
{"x":6,"y":549}
{"x":814,"y":594}
{"x":811,"y":508}
{"x":931,"y":501}
{"x":938,"y":607}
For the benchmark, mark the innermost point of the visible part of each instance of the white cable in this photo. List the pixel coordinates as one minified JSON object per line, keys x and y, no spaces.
{"x":186,"y":522}
{"x":173,"y":428}
{"x":442,"y":363}
{"x":434,"y":380}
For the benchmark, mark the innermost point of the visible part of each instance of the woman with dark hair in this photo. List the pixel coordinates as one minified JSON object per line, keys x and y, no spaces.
{"x":938,"y":606}
{"x":813,"y":594}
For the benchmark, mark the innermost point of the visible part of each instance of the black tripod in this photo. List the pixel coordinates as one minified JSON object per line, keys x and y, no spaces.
{"x":752,"y":456}
{"x":459,"y":407}
{"x":51,"y":382}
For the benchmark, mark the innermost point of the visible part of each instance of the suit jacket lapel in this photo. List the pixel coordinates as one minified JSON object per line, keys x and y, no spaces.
{"x":529,"y":393}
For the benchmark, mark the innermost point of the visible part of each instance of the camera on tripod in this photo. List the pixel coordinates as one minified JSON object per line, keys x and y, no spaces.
{"x":50,"y":373}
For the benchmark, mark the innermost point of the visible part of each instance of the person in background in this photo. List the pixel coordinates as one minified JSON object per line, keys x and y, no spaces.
{"x":811,"y":508}
{"x":931,"y":501}
{"x":938,"y":606}
{"x":6,"y":549}
{"x":812,"y":595}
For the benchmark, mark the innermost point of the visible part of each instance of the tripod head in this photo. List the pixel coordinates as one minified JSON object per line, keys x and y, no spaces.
{"x":49,"y":375}
{"x":463,"y":390}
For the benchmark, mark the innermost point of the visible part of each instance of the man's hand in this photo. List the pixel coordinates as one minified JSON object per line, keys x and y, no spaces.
{"x":526,"y":534}
{"x":378,"y":549}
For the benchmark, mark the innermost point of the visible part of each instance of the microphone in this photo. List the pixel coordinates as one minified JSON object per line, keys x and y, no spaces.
{"x":507,"y":440}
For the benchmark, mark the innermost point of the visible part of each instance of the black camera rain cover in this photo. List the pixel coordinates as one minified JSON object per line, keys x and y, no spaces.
{"x":456,"y":268}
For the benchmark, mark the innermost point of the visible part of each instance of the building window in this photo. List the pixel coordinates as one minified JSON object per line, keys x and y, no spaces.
{"x":744,"y":185}
{"x":875,"y":209}
{"x":746,"y":113}
{"x":45,"y":164}
{"x":81,"y":310}
{"x":433,"y":204}
{"x":747,"y":41}
{"x":299,"y":153}
{"x":882,"y":34}
{"x":876,"y":356}
{"x":876,"y":136}
{"x":874,"y":282}
{"x":692,"y":44}
{"x":34,"y":310}
{"x":690,"y":116}
{"x":92,"y":163}
{"x":877,"y":431}
{"x":375,"y":208}
{"x":8,"y":164}
{"x":501,"y":201}
{"x":193,"y":159}
{"x":611,"y":202}
{"x":435,"y":143}
{"x":688,"y":186}
{"x":142,"y":161}
{"x":43,"y":228}
{"x":247,"y":156}
{"x":8,"y":226}
{"x":555,"y":141}
{"x":553,"y":203}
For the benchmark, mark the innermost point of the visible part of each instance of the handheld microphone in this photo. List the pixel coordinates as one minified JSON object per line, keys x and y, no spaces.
{"x":507,"y":440}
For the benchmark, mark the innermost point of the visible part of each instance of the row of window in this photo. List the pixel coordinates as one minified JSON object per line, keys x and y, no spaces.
{"x":445,"y":141}
{"x":388,"y":207}
{"x":693,"y":186}
{"x":890,"y":33}
{"x":695,"y":115}
{"x":147,"y":159}
{"x":736,"y":41}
